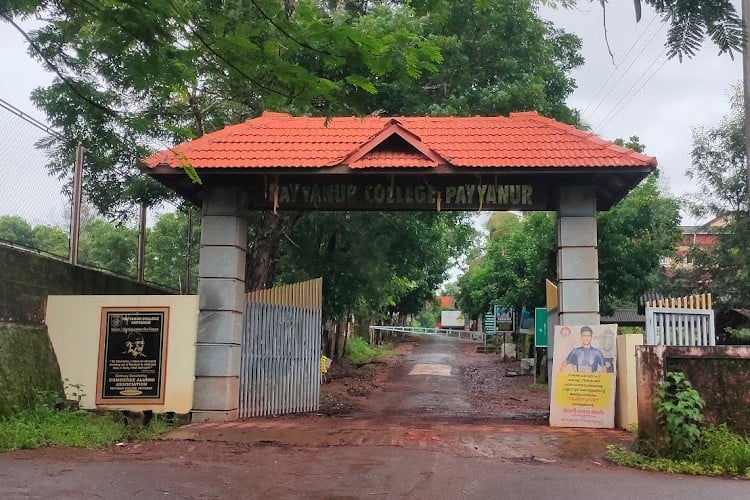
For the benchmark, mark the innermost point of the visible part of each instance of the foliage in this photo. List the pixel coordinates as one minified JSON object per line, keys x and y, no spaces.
{"x":718,"y":164}
{"x":513,"y":269}
{"x":720,"y":174}
{"x":679,"y":410}
{"x":50,"y":239}
{"x":691,"y":20}
{"x":723,"y":449}
{"x":428,"y":317}
{"x":43,"y":425}
{"x":168,"y":249}
{"x":358,"y":350}
{"x":633,"y":236}
{"x":738,"y":336}
{"x":374,"y":265}
{"x":719,"y":452}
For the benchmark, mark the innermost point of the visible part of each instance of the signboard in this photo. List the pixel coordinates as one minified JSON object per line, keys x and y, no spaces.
{"x":504,"y":319}
{"x":489,"y":323}
{"x":416,"y":193}
{"x":132,"y":355}
{"x":583,"y":376}
{"x":451,"y":319}
{"x":540,"y":327}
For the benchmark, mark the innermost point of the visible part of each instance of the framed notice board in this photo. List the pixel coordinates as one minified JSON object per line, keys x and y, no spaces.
{"x":132,"y":355}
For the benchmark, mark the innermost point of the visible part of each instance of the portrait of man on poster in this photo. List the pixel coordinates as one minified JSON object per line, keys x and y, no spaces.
{"x":586,"y":358}
{"x":134,"y":344}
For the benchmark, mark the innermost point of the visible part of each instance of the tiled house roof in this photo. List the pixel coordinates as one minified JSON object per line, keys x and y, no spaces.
{"x":520,"y":141}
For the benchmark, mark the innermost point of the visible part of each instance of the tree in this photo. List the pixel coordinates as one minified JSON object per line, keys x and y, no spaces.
{"x":165,"y":72}
{"x":718,"y":165}
{"x":718,"y":169}
{"x":633,"y":236}
{"x":109,"y":246}
{"x":169,"y":248}
{"x":513,"y":269}
{"x":16,"y":230}
{"x":51,"y":239}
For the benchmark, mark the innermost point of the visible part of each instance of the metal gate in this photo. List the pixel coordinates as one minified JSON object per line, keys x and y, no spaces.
{"x":686,"y":321}
{"x":281,"y":342}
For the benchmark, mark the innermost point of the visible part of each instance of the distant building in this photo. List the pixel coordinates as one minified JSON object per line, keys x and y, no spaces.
{"x":446,"y":302}
{"x":704,"y":236}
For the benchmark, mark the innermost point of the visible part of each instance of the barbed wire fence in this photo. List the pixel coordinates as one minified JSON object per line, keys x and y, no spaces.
{"x":36,"y":213}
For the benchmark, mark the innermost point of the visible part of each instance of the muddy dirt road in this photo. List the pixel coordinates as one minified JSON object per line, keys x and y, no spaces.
{"x":443,"y":423}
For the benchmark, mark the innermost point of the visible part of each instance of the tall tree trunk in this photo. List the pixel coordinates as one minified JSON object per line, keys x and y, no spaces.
{"x":262,"y":256}
{"x":340,"y":338}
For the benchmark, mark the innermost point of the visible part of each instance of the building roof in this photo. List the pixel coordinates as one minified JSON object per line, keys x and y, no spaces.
{"x":625,"y":317}
{"x":524,"y":157}
{"x":279,"y":140}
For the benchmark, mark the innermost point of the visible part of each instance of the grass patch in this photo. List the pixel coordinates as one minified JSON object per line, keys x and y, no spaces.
{"x":43,"y":425}
{"x":358,"y":350}
{"x":538,"y":387}
{"x":719,"y":452}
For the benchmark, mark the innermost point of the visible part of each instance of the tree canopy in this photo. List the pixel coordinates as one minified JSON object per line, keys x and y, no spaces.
{"x":134,"y":77}
{"x":633,"y":236}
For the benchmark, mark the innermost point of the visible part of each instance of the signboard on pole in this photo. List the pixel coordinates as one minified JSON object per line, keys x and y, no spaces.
{"x":583,"y":376}
{"x":504,"y":319}
{"x":540,"y":327}
{"x":489,"y":323}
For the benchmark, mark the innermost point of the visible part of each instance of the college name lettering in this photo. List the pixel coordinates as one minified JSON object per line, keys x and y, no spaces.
{"x":384,"y":194}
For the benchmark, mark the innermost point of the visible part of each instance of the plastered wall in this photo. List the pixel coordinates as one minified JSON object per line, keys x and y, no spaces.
{"x":74,"y":328}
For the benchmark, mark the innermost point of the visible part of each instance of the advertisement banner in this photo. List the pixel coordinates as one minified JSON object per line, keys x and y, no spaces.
{"x":583,"y":376}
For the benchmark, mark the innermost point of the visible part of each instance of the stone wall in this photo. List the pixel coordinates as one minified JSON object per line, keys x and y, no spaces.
{"x":28,"y":278}
{"x":27,"y":365}
{"x":720,"y":374}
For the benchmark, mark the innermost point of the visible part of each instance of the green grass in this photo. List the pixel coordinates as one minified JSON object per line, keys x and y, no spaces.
{"x":43,"y":425}
{"x":358,"y":350}
{"x":720,"y":452}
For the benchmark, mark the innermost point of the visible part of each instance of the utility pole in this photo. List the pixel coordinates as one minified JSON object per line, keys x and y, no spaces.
{"x":75,"y":206}
{"x":746,"y":92}
{"x":141,"y":264}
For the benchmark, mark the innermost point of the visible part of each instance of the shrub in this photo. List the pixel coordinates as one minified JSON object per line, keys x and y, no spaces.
{"x":679,"y":411}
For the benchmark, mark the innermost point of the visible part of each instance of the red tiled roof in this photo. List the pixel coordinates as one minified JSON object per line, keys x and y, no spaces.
{"x":281,"y":140}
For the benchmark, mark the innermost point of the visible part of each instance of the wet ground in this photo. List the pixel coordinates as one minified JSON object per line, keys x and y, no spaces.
{"x":440,"y":395}
{"x":440,"y":422}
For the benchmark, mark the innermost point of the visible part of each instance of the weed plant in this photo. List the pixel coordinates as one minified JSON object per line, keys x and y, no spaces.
{"x":44,"y":425}
{"x":358,"y":350}
{"x":689,"y":448}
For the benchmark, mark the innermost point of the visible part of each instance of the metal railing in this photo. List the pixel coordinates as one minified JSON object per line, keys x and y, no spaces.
{"x":464,"y":335}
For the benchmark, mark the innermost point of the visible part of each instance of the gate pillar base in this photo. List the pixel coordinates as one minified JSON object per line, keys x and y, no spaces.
{"x":213,"y":416}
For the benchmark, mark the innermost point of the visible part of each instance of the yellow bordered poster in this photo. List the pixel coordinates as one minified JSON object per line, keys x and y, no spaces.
{"x":583,"y":376}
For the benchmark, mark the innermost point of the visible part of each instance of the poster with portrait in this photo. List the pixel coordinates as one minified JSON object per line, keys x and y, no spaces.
{"x":504,"y":321}
{"x":583,"y":376}
{"x":132,"y":355}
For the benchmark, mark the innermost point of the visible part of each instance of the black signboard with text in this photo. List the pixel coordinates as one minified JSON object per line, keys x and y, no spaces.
{"x":132,"y":355}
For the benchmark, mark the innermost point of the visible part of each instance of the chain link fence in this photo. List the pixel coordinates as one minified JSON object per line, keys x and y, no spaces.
{"x":36,"y":207}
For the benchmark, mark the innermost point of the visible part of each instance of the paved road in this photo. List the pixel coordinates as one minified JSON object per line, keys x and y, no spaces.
{"x":413,"y":447}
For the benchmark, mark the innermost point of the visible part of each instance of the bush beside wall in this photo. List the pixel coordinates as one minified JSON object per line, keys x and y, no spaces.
{"x":27,"y":365}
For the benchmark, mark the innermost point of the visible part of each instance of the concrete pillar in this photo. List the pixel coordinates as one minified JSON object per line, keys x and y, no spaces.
{"x":221,"y":290}
{"x":577,"y":258}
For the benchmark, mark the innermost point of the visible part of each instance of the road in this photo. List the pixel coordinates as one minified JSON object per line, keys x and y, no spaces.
{"x":421,"y":439}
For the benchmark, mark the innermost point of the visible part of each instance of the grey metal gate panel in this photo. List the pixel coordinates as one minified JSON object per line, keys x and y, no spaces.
{"x":678,"y":326}
{"x":281,"y":351}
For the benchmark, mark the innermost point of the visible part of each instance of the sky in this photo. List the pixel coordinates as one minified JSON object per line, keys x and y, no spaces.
{"x":638,"y":92}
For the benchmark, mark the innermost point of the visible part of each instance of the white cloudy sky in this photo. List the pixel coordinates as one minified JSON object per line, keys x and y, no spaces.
{"x":639,"y":94}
